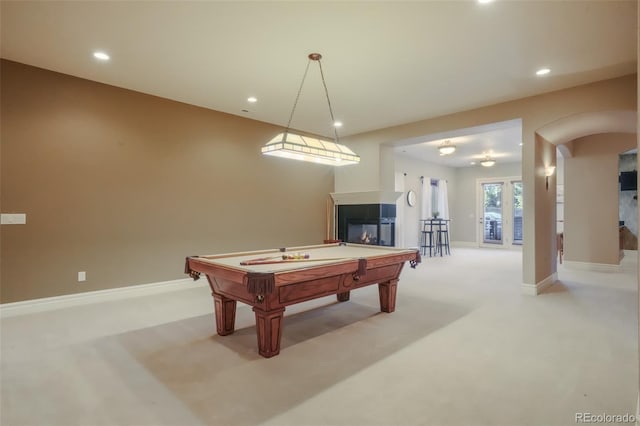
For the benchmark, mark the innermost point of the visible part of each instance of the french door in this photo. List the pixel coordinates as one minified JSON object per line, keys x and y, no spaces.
{"x":500,"y":212}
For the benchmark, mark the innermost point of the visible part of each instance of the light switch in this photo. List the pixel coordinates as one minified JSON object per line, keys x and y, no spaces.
{"x":13,"y":218}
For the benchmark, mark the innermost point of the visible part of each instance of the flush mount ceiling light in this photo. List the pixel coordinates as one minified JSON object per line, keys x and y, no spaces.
{"x":446,"y":148}
{"x":487,"y":162}
{"x":543,"y":71}
{"x":304,"y":148}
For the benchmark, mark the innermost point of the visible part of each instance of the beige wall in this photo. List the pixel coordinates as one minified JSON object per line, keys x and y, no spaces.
{"x":124,"y":185}
{"x":544,"y":212}
{"x":539,"y":263}
{"x":591,"y":198}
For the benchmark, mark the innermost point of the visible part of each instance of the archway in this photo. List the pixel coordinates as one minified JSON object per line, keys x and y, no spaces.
{"x":581,"y":130}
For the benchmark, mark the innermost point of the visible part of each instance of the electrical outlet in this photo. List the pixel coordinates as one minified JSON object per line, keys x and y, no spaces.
{"x":13,"y":218}
{"x":82,"y":276}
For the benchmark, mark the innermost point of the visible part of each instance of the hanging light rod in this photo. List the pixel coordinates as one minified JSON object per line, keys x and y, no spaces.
{"x":305,"y":148}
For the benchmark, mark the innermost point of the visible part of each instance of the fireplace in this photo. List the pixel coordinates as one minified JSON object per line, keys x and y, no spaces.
{"x":367,"y":224}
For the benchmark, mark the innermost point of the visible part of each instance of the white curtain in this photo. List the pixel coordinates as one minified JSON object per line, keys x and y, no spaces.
{"x":425,"y":199}
{"x":443,"y":199}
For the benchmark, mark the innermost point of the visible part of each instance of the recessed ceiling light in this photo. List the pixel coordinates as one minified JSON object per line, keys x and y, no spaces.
{"x":252,"y":99}
{"x":520,"y":144}
{"x":101,"y":56}
{"x":338,"y":124}
{"x":484,"y":1}
{"x":543,"y":71}
{"x":473,"y":163}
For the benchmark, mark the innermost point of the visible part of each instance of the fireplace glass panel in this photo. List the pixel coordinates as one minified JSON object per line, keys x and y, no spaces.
{"x":362,"y":233}
{"x":386,"y":234}
{"x":366,"y":224}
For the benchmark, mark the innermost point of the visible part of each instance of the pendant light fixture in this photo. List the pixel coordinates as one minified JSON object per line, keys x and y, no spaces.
{"x":305,"y":148}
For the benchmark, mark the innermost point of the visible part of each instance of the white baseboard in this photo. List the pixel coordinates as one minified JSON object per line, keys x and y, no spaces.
{"x":464,"y":244}
{"x":474,"y":244}
{"x":536,"y":289}
{"x":589,"y":266}
{"x":59,"y":302}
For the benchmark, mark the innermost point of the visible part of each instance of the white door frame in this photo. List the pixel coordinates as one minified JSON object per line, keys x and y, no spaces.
{"x":507,"y":212}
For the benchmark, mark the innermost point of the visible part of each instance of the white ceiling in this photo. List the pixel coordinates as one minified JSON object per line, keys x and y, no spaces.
{"x":500,"y":141}
{"x":385,"y":63}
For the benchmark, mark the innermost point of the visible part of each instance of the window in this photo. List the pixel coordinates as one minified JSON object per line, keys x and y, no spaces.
{"x":434,"y":197}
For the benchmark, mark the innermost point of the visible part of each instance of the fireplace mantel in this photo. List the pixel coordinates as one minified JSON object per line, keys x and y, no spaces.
{"x":366,"y":197}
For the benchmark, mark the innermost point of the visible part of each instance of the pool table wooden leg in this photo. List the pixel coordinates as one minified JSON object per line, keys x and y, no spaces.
{"x":343,"y":297}
{"x":269,"y":330}
{"x":387,"y":291}
{"x":225,"y":309}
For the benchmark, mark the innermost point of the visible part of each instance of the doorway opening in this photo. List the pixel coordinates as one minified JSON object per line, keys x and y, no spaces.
{"x":500,"y":207}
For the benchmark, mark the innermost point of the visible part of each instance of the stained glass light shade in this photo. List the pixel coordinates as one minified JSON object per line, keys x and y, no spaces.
{"x":306,"y":148}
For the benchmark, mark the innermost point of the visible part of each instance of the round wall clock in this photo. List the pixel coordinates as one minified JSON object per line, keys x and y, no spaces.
{"x":411,"y":198}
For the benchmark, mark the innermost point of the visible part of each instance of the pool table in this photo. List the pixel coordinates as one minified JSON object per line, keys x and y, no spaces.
{"x":269,"y":282}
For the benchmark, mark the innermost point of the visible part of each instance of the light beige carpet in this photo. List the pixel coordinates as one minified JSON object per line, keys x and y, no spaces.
{"x":464,"y":347}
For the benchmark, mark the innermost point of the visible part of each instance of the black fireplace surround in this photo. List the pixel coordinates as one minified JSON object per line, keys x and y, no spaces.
{"x":367,"y":224}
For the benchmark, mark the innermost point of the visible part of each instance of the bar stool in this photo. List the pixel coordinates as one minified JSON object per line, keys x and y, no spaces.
{"x":442,"y":236}
{"x":428,"y":239}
